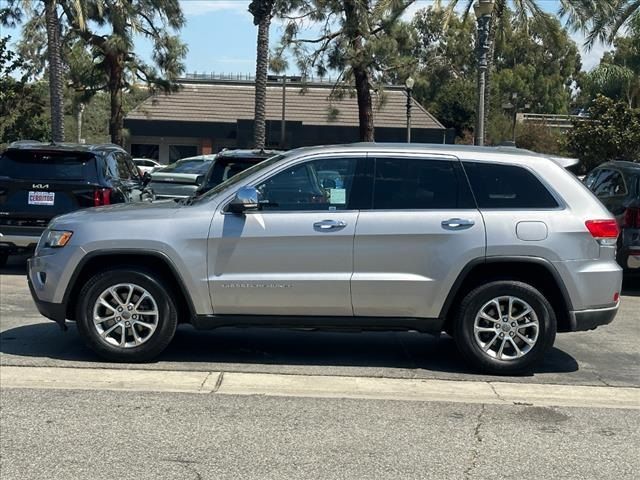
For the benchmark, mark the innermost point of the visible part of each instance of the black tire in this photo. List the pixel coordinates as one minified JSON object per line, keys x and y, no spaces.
{"x":485,"y":362}
{"x":167,"y":319}
{"x":4,"y":257}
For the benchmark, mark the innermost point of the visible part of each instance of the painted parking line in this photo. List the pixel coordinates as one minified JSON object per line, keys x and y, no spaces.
{"x":319,"y":386}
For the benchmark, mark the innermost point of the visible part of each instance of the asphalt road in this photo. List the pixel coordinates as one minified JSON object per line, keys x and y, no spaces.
{"x":609,"y":355}
{"x":52,"y":434}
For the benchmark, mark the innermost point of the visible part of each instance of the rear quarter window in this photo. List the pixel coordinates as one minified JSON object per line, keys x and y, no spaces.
{"x":507,"y":186}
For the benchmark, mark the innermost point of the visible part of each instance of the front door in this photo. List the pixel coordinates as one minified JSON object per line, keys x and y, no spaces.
{"x":295,"y":255}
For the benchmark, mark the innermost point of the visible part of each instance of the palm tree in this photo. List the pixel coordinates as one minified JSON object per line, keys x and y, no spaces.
{"x":262,"y":11}
{"x":601,"y":20}
{"x":113,"y":50}
{"x":56,"y":87}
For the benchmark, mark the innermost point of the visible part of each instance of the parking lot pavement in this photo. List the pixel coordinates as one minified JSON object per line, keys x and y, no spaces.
{"x":607,"y":356}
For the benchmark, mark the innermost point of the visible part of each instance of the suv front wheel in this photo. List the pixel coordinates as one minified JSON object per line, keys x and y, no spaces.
{"x":504,"y":327}
{"x":126,"y":315}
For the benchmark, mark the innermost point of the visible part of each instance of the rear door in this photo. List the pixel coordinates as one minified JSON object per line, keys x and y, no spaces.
{"x":419,"y":233}
{"x":37,"y":185}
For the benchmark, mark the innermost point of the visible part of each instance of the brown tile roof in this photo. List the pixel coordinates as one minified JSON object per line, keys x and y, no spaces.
{"x":228,"y":102}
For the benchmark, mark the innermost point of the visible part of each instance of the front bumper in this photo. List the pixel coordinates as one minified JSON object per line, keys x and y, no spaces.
{"x":53,"y":311}
{"x":583,"y":320}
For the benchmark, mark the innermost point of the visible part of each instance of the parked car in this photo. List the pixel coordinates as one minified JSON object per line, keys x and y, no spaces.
{"x":146,"y":165}
{"x":228,"y":163}
{"x":502,"y":249}
{"x":182,"y":178}
{"x":39,"y":181}
{"x":617,"y":185}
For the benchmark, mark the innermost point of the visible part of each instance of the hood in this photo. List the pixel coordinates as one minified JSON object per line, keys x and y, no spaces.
{"x":121,"y":211}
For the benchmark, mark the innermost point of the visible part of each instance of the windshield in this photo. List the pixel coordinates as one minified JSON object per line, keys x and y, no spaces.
{"x":230,"y":182}
{"x":187,"y":166}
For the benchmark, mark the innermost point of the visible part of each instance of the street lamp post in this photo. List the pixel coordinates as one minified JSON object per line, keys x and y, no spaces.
{"x":483,"y":10}
{"x":409,"y":85}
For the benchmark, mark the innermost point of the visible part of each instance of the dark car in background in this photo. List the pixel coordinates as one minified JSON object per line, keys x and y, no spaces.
{"x":39,"y":181}
{"x":228,"y":163}
{"x":617,"y":185}
{"x":182,"y":178}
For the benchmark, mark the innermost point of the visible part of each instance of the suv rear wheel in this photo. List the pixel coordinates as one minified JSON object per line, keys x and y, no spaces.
{"x":504,"y":327}
{"x":126,"y":315}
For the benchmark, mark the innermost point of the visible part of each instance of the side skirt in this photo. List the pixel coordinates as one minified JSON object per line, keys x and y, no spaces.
{"x":424,"y":325}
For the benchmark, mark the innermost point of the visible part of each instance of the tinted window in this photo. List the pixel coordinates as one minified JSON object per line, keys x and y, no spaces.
{"x":225,"y":168}
{"x":188,"y":166}
{"x":507,"y":186}
{"x":412,"y":184}
{"x":609,"y":183}
{"x":304,"y":187}
{"x":124,"y":172}
{"x":38,"y":165}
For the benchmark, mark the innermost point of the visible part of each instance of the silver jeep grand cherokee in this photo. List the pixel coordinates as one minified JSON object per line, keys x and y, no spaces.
{"x":500,"y":248}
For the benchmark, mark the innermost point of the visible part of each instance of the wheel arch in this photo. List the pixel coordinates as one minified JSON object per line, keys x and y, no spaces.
{"x":538,"y":272}
{"x":155,"y":261}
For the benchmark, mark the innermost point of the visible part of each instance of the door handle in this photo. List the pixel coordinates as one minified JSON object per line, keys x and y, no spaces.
{"x":326,"y":225}
{"x":457,"y":224}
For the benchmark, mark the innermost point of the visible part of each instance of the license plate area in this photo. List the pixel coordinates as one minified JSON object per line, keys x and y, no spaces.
{"x":42,"y":198}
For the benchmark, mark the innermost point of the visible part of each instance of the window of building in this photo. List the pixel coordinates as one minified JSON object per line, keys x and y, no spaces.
{"x":143,"y":150}
{"x":176,"y":152}
{"x":507,"y":186}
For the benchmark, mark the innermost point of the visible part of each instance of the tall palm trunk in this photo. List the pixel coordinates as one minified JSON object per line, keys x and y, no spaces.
{"x":56,"y":91}
{"x":353,"y":25}
{"x":262,"y":64}
{"x":116,"y":120}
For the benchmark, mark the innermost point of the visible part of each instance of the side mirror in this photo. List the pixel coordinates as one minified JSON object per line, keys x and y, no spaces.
{"x":146,"y":178}
{"x":246,"y":198}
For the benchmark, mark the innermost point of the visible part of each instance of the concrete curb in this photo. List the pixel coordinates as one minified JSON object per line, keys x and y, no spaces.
{"x":230,"y":383}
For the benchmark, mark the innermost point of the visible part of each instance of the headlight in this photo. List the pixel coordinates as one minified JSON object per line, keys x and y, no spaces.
{"x":57,"y":238}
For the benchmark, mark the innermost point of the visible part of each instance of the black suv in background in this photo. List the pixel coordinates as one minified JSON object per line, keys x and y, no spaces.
{"x":231,"y":162}
{"x":39,"y":181}
{"x":617,"y":185}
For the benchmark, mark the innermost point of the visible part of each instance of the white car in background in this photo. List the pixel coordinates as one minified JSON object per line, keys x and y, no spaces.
{"x":146,"y":165}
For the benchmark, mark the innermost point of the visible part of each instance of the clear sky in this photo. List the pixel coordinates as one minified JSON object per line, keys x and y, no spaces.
{"x":221,"y":36}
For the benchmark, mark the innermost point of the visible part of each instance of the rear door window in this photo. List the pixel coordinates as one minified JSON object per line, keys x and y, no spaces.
{"x":507,"y":186}
{"x":124,"y":171}
{"x":53,"y":165}
{"x":420,"y":184}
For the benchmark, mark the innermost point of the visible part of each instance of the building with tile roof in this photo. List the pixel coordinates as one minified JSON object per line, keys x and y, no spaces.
{"x":205,"y":116}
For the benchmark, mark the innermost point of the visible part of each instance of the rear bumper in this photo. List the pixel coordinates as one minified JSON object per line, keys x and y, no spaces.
{"x":53,"y":311}
{"x":583,"y":320}
{"x":15,"y":239}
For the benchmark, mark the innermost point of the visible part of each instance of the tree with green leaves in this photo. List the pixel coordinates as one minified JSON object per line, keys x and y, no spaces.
{"x":522,"y":11}
{"x":108,"y":34}
{"x":612,"y":132}
{"x":358,"y":39}
{"x":22,"y":104}
{"x":44,"y":14}
{"x":600,"y":20}
{"x":618,"y":74}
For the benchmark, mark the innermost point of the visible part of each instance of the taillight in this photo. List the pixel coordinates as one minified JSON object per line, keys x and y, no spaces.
{"x":605,"y":231}
{"x":631,"y":217}
{"x":101,"y":196}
